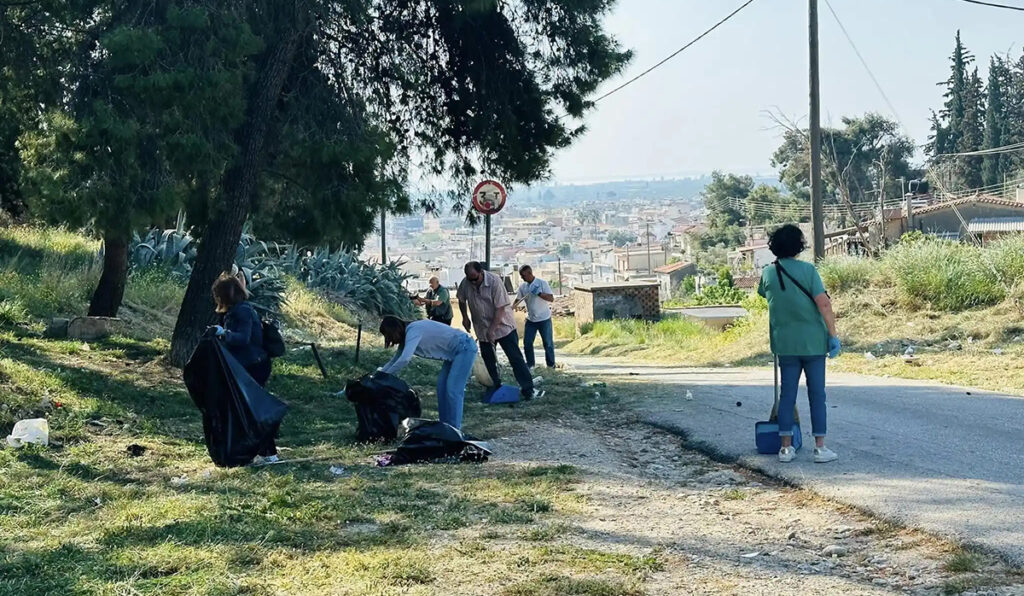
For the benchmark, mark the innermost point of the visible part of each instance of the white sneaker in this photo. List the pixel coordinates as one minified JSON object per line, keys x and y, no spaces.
{"x":786,"y":454}
{"x":537,"y":394}
{"x":823,"y":455}
{"x":260,"y":460}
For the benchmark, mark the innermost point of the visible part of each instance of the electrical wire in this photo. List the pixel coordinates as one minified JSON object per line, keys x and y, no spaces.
{"x":994,"y":5}
{"x":992,"y":151}
{"x":677,"y":52}
{"x":863,"y":62}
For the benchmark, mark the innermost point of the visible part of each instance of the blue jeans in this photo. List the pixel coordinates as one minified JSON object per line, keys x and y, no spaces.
{"x":451,"y":383}
{"x":547,"y":338}
{"x":813,"y":368}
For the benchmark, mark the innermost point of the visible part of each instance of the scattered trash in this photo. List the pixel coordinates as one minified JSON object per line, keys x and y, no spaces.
{"x":98,"y":501}
{"x":206,"y":475}
{"x":834,"y":550}
{"x":752,"y":555}
{"x":970,"y":340}
{"x":337,"y":470}
{"x":688,"y":396}
{"x":97,"y":423}
{"x":998,"y":351}
{"x":179,"y":480}
{"x":954,"y":346}
{"x":135,"y":450}
{"x":912,"y":360}
{"x":969,"y":393}
{"x":597,"y":395}
{"x":33,"y":430}
{"x":538,"y":380}
{"x":910,"y":352}
{"x":869,"y":356}
{"x":739,"y":404}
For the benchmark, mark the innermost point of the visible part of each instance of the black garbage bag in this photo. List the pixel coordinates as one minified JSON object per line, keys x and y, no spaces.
{"x":426,"y":440}
{"x":382,"y":401}
{"x":238,"y":414}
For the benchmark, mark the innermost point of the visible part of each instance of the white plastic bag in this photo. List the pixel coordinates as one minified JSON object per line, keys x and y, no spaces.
{"x":480,"y":372}
{"x":33,"y":430}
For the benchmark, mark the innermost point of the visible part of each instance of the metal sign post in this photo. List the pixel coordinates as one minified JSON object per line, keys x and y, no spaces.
{"x":487,"y":241}
{"x":488,"y":198}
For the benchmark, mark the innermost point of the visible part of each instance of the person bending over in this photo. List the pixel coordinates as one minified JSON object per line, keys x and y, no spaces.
{"x":436,"y":341}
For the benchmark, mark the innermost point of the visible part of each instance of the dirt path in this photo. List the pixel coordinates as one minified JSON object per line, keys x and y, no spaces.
{"x":720,"y":530}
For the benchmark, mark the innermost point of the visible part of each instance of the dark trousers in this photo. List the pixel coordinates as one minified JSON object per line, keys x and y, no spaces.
{"x":510,"y":345}
{"x":260,"y":372}
{"x":439,"y":319}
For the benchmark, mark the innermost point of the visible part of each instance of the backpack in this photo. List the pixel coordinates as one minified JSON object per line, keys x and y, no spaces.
{"x":273,"y":341}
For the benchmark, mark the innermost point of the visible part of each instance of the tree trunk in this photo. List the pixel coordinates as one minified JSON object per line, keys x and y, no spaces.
{"x":106,"y":300}
{"x":220,"y":239}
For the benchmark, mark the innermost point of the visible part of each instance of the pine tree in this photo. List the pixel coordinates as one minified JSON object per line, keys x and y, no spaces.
{"x":972,"y":131}
{"x":997,"y":122}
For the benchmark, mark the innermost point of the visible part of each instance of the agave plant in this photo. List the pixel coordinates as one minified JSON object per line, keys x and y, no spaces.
{"x":173,"y":249}
{"x":346,"y":279}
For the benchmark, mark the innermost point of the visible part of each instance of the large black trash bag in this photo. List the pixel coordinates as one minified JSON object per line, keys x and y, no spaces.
{"x":238,"y":414}
{"x":382,"y":401}
{"x":426,"y":440}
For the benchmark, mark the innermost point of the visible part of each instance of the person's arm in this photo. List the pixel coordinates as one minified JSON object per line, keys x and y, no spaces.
{"x":825,"y":308}
{"x":461,"y":295}
{"x":545,"y":292}
{"x":442,"y":297}
{"x":520,"y":296}
{"x":238,"y":326}
{"x":403,"y":357}
{"x":493,"y":331}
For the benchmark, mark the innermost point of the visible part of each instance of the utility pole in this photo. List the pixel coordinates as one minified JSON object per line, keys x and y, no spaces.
{"x":561,"y":285}
{"x":649,"y":271}
{"x":817,"y":210}
{"x":383,"y":240}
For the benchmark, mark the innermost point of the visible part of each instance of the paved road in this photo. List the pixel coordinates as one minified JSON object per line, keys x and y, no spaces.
{"x":945,"y":459}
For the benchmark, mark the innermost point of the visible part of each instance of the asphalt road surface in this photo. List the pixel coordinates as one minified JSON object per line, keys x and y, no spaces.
{"x":945,"y":459}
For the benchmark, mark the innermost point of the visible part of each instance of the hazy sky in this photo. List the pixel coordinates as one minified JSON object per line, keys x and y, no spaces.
{"x":704,"y":109}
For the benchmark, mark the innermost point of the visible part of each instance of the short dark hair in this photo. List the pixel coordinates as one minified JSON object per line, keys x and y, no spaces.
{"x":787,"y":242}
{"x":475,"y":266}
{"x":525,"y":268}
{"x":227,"y":292}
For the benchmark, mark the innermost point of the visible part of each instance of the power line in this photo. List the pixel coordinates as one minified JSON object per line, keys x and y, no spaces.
{"x":994,"y":5}
{"x":992,"y":151}
{"x":677,"y":52}
{"x":864,"y":62}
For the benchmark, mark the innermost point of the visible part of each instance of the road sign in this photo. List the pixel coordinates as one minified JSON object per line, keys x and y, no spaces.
{"x":489,"y":197}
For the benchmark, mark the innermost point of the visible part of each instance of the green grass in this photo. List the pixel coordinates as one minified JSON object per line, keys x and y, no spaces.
{"x":963,"y":562}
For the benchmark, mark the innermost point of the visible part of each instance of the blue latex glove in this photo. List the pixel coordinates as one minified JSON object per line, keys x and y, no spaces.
{"x":834,"y":347}
{"x":535,"y":290}
{"x":219,"y":331}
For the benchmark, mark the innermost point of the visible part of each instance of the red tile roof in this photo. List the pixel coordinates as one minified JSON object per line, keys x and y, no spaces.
{"x":667,"y":269}
{"x":987,"y":199}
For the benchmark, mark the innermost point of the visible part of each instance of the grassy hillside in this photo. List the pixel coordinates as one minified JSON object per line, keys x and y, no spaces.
{"x":83,"y":516}
{"x":959,"y":306}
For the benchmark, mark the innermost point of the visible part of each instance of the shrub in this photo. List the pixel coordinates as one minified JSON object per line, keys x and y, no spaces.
{"x":841,"y":274}
{"x":716,"y":295}
{"x":12,"y":312}
{"x":945,"y":275}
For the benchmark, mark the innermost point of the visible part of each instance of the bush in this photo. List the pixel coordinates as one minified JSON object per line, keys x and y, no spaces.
{"x":841,"y":274}
{"x":945,"y":275}
{"x":12,"y":312}
{"x":717,"y":295}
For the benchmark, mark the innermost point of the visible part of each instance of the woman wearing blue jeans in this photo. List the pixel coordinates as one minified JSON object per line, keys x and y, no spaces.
{"x":803,"y":332}
{"x":436,"y":341}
